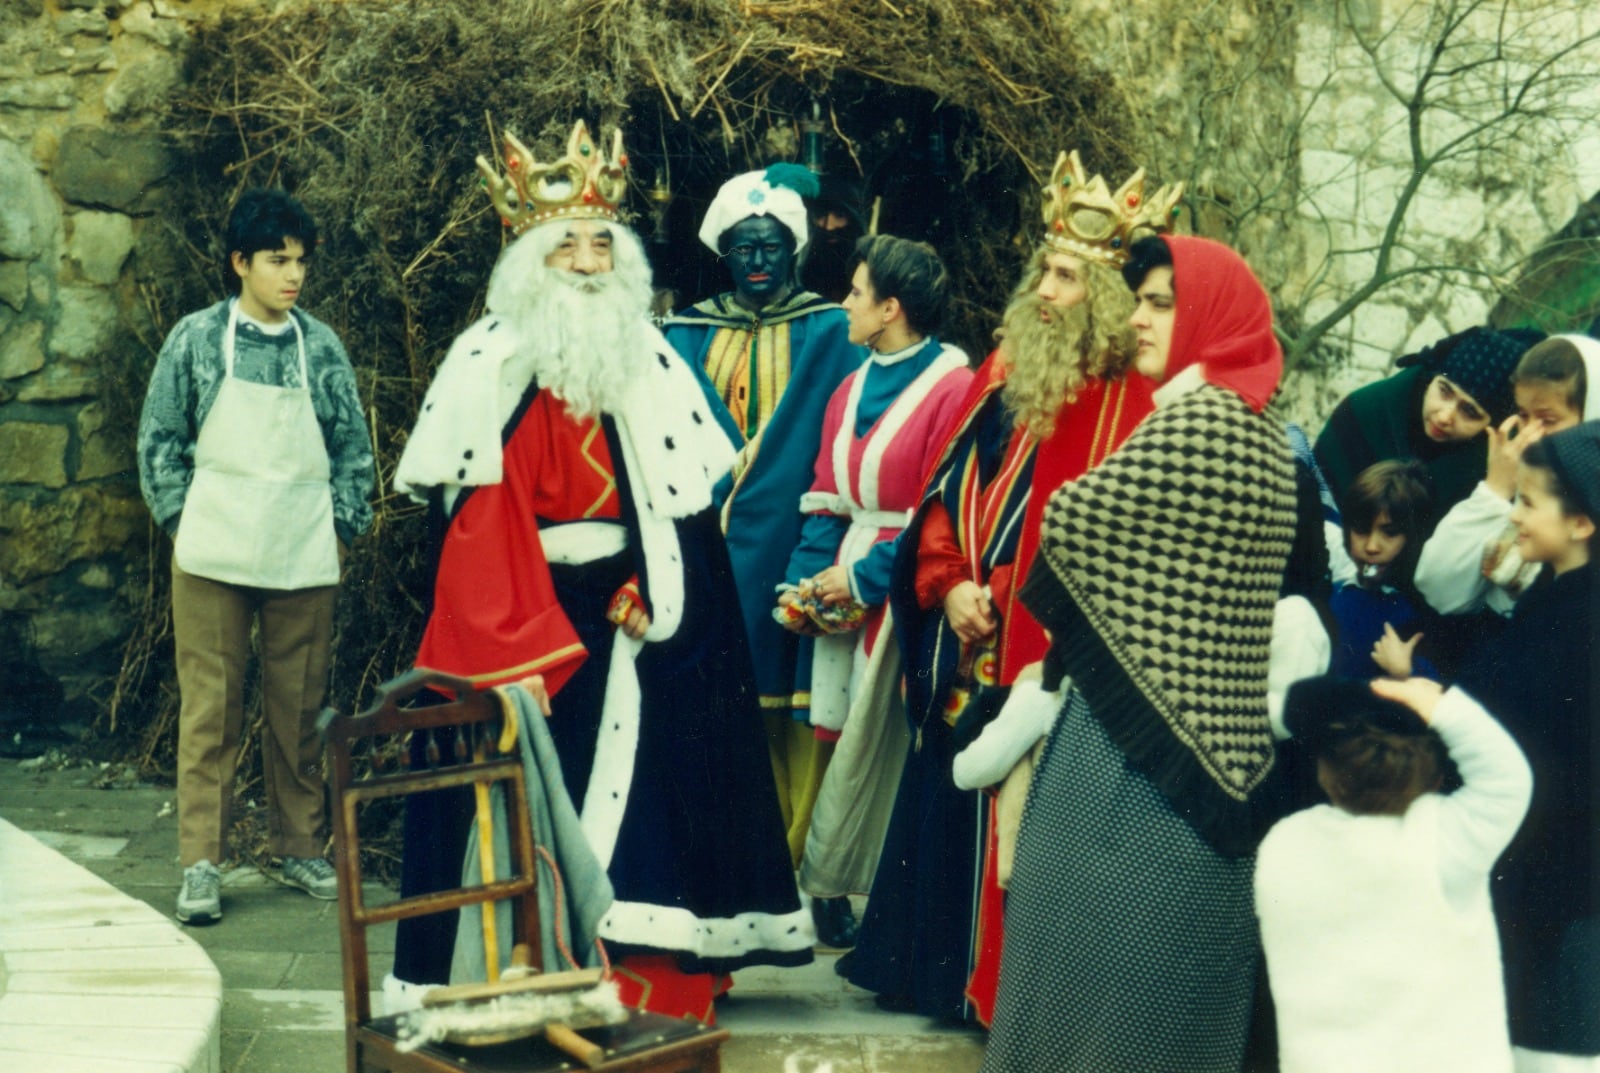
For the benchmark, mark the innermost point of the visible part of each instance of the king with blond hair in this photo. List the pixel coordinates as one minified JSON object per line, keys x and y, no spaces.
{"x":1053,"y":400}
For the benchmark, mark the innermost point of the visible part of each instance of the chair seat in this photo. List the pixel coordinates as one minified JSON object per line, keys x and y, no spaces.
{"x":467,"y":731}
{"x":644,"y":1043}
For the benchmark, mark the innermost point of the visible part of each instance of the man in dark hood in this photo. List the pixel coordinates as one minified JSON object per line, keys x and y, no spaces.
{"x":835,"y":220}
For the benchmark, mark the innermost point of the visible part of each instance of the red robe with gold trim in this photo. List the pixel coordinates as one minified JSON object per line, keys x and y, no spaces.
{"x":979,"y":520}
{"x":660,"y":747}
{"x":557,"y":469}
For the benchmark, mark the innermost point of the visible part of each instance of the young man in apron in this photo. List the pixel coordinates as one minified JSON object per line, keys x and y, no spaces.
{"x":254,"y":457}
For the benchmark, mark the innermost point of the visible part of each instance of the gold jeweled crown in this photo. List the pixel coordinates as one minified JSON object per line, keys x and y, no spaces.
{"x":583,"y":185}
{"x":1083,"y":217}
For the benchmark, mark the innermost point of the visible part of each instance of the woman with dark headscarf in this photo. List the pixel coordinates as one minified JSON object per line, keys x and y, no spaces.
{"x":1435,"y":409}
{"x":1130,"y":940}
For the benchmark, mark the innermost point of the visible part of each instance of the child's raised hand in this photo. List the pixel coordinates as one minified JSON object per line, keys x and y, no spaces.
{"x":1392,"y":654}
{"x":1505,"y":450}
{"x":1421,"y":695}
{"x":1506,"y":445}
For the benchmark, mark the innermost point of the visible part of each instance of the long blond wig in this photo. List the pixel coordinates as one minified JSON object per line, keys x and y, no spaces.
{"x":1048,"y":362}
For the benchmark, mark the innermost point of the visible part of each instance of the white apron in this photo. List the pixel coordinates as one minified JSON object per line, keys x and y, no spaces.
{"x":259,"y":510}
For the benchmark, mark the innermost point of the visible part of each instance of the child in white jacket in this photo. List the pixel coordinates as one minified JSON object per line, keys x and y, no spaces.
{"x":1380,"y":939}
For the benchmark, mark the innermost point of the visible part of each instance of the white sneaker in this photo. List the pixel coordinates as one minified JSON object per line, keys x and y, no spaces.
{"x":200,"y":898}
{"x":313,"y":875}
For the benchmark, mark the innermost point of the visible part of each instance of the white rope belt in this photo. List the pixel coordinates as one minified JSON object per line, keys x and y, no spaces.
{"x":880,"y":519}
{"x":831,"y":503}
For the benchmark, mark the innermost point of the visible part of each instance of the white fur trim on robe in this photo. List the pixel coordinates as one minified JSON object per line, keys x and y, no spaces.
{"x":673,"y":928}
{"x":456,"y":441}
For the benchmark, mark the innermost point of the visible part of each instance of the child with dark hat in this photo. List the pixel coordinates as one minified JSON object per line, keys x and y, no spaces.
{"x":1539,"y":678}
{"x":1375,"y":913}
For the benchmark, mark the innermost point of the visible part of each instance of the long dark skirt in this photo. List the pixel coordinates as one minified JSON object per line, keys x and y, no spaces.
{"x":916,"y":940}
{"x":1130,"y":942}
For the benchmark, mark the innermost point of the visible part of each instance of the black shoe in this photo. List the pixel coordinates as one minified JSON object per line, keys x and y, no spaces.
{"x":895,"y":1003}
{"x":844,"y":963}
{"x":835,"y":921}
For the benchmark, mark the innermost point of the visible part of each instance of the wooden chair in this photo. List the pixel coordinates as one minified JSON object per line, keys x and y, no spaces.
{"x":645,"y":1043}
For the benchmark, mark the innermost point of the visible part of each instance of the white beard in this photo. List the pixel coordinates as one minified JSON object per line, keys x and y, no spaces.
{"x":581,"y":337}
{"x":582,"y":341}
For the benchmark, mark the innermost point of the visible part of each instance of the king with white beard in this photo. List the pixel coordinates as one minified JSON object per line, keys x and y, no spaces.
{"x":568,"y":455}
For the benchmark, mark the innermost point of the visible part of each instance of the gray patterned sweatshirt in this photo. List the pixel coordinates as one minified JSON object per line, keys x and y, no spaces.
{"x":184,"y":384}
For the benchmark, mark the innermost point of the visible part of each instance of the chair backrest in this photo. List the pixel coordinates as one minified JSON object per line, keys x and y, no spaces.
{"x":470,"y":727}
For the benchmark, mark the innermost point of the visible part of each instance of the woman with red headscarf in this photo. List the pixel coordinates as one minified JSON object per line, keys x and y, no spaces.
{"x":1130,"y":937}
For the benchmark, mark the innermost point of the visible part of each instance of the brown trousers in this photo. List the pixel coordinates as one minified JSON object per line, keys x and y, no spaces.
{"x":211,"y":623}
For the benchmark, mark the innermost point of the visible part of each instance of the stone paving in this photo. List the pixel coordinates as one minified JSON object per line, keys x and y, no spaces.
{"x":278,"y":953}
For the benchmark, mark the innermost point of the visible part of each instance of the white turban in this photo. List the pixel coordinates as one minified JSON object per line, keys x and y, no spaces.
{"x":750,"y":194}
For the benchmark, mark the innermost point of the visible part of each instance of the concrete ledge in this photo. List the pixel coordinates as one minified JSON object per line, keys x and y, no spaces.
{"x":93,"y":981}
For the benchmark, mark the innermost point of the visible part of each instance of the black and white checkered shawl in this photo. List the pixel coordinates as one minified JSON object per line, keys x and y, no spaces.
{"x":1157,"y":577}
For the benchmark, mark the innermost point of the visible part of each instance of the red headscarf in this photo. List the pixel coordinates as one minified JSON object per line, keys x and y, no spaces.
{"x":1224,"y":320}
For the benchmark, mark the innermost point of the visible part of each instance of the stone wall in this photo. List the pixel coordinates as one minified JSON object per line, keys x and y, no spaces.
{"x":1296,"y":152}
{"x":1209,"y":87}
{"x":1484,"y":210}
{"x":81,"y":172}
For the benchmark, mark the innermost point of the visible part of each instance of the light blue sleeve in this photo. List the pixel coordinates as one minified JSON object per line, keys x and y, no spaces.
{"x":820,"y":537}
{"x":870,"y":577}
